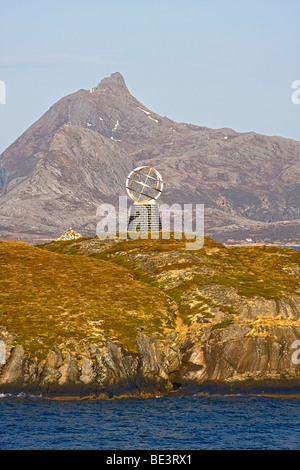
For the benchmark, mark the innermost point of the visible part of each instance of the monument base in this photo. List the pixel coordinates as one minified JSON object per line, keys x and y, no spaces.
{"x":144,"y":218}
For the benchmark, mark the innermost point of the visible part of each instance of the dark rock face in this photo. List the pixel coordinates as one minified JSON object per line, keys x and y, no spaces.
{"x":113,"y":371}
{"x":231,"y":356}
{"x":229,"y":359}
{"x":14,"y":371}
{"x":78,"y":154}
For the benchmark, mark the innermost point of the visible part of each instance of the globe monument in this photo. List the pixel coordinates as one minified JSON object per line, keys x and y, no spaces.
{"x":144,"y":185}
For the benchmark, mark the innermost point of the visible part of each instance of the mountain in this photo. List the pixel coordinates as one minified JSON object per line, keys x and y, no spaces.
{"x":148,"y":317}
{"x":78,"y":154}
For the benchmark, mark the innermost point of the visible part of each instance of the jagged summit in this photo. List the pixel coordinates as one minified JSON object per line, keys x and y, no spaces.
{"x":116,"y":79}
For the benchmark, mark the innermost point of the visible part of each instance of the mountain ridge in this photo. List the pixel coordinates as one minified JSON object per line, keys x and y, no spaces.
{"x":248,"y":182}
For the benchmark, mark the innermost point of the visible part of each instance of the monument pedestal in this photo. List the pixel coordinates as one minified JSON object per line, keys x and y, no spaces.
{"x":144,"y":218}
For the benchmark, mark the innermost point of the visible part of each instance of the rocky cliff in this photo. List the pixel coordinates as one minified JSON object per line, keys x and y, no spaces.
{"x":78,"y":154}
{"x":109,"y":318}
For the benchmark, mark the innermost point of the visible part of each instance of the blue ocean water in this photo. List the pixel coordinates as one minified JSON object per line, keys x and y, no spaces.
{"x":176,"y":423}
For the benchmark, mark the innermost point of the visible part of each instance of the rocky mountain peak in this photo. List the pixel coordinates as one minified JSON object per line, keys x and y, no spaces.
{"x":115,"y":80}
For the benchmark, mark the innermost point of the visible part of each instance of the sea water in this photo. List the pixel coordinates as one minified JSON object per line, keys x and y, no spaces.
{"x":175,"y":423}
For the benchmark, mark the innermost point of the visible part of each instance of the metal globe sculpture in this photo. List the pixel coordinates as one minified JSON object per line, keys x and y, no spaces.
{"x":144,"y":185}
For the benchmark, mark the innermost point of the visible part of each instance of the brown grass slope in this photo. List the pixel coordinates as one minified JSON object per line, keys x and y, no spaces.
{"x":48,"y":298}
{"x":117,"y":288}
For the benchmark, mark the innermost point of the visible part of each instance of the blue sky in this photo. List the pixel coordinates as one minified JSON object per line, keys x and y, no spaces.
{"x":215,"y":63}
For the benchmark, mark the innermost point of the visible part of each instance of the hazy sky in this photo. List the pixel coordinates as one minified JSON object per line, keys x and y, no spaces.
{"x":215,"y":63}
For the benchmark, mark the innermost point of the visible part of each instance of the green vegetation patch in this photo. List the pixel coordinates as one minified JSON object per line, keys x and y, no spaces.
{"x":223,"y":324}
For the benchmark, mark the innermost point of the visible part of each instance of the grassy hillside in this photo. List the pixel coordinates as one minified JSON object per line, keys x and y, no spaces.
{"x":48,"y":298}
{"x":116,"y":289}
{"x":252,"y":270}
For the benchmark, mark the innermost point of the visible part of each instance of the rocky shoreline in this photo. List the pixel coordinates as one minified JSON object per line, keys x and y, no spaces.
{"x":157,"y":369}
